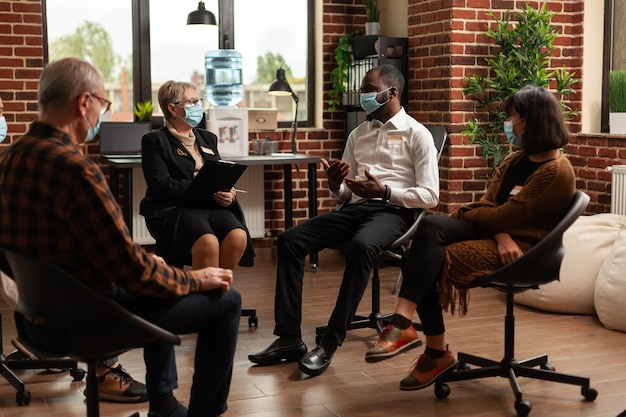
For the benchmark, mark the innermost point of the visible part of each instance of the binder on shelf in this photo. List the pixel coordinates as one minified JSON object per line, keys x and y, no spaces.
{"x":213,"y":176}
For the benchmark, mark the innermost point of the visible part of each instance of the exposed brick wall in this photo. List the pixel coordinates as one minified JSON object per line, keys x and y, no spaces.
{"x":446,"y":43}
{"x":21,"y":60}
{"x":591,"y":155}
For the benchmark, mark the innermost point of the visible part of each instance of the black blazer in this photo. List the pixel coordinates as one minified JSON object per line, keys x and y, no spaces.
{"x":168,"y":169}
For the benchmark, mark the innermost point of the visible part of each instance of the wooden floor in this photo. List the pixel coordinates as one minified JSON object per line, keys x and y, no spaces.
{"x":351,"y":387}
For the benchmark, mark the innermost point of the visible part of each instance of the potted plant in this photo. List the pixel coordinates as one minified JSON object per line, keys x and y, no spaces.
{"x":339,"y":75}
{"x":617,"y":102}
{"x":522,"y":57}
{"x":143,"y":111}
{"x":372,"y":26}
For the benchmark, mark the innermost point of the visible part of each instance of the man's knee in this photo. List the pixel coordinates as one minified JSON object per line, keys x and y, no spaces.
{"x":234,"y":297}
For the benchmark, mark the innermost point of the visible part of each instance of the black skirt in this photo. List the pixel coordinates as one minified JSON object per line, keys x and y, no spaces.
{"x":176,"y":233}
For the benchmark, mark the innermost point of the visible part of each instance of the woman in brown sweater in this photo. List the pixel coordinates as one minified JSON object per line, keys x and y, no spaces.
{"x":527,"y":197}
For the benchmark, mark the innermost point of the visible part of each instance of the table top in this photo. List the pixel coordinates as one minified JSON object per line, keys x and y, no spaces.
{"x":245,"y":160}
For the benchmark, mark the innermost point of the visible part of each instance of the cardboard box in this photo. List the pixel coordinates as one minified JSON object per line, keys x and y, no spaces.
{"x":262,"y":119}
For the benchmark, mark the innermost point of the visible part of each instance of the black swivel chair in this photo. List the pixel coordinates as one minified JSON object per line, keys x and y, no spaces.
{"x":540,"y":265}
{"x":17,"y":360}
{"x":376,"y":320}
{"x":48,"y":293}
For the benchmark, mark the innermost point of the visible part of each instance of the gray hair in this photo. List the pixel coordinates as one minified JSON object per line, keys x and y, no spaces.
{"x":63,"y":80}
{"x":172,"y":92}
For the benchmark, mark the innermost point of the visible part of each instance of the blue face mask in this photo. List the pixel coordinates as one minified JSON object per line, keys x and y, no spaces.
{"x":193,"y":114}
{"x":93,"y":131}
{"x":515,"y":140}
{"x":369,"y":102}
{"x":3,"y":128}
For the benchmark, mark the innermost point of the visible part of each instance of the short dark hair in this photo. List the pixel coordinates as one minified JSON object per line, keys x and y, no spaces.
{"x":545,"y":128}
{"x":392,"y":77}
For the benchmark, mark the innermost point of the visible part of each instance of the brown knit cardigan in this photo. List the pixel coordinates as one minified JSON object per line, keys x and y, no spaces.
{"x":527,"y":217}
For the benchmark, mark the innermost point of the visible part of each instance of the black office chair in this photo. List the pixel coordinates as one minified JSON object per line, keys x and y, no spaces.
{"x":18,"y":360}
{"x":48,"y":293}
{"x":376,"y":320}
{"x":540,"y":265}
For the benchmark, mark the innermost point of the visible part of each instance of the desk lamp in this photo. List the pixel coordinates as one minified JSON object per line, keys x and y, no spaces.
{"x":201,"y":16}
{"x":280,"y":87}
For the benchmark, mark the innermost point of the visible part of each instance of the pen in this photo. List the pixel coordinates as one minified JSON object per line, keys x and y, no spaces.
{"x":241,"y":191}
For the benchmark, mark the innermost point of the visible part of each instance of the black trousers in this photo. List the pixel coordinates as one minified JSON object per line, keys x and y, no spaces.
{"x":364,"y":230}
{"x":421,"y":266}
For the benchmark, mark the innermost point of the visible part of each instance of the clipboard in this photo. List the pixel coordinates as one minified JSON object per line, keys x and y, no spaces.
{"x":213,"y":176}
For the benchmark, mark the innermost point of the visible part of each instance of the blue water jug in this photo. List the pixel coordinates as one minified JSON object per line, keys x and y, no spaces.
{"x":223,"y":77}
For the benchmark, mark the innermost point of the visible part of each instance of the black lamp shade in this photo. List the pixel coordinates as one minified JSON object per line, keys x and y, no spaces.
{"x":280,"y":86}
{"x":201,"y":16}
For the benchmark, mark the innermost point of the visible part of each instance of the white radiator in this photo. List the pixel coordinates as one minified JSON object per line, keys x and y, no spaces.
{"x":618,"y":189}
{"x":140,"y":230}
{"x":252,"y":202}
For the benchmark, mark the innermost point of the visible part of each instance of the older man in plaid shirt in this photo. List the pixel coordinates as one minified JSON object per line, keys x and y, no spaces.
{"x":55,"y":203}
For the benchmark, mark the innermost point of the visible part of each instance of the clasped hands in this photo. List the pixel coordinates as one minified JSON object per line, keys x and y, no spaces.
{"x":336,"y":173}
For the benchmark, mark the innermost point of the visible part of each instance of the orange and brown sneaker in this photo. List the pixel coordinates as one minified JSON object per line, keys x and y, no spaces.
{"x":392,"y":341}
{"x":116,"y":385}
{"x":425,"y":371}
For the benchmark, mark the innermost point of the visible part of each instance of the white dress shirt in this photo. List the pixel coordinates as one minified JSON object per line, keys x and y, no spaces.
{"x":401,"y":153}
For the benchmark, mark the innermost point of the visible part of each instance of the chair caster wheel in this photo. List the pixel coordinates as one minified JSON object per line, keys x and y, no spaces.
{"x":442,"y":391}
{"x":590,"y":394}
{"x":523,"y":408}
{"x":463,"y":366}
{"x":77,"y":373}
{"x":22,"y":397}
{"x":253,"y":321}
{"x":548,"y":367}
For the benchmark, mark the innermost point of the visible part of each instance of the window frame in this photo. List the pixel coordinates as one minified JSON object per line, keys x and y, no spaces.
{"x":142,"y":80}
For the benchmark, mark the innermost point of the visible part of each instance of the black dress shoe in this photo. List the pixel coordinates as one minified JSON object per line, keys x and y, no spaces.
{"x":315,"y":362}
{"x":280,"y":350}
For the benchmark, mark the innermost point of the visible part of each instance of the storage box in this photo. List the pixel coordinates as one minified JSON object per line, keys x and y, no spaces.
{"x":262,"y":119}
{"x":230,"y":125}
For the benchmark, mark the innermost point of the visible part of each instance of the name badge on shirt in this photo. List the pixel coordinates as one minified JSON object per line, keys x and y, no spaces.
{"x":516,"y":190}
{"x":207,"y":150}
{"x":394,"y":140}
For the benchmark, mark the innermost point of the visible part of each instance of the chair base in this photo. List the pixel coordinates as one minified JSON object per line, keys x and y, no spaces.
{"x":17,"y":360}
{"x":376,"y":321}
{"x":511,"y":369}
{"x":253,"y":320}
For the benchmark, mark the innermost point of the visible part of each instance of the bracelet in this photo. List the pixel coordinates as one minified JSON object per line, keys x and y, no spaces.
{"x":387,"y":194}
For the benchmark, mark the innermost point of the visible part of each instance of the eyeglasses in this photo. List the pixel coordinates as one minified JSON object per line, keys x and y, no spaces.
{"x":106,"y":104}
{"x":189,"y":103}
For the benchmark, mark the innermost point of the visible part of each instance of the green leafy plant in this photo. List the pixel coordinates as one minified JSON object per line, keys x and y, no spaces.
{"x":143,"y":110}
{"x":522,"y":57}
{"x":617,"y":91}
{"x":371,"y":10}
{"x":339,"y":75}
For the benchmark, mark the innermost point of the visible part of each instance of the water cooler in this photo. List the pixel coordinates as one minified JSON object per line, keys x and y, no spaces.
{"x":224,"y":90}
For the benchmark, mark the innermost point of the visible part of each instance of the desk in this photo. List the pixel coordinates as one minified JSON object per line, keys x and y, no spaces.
{"x":124,"y":166}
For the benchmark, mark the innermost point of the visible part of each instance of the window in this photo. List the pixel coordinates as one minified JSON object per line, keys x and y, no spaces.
{"x":101,"y":33}
{"x":614,"y":49}
{"x":146,"y":43}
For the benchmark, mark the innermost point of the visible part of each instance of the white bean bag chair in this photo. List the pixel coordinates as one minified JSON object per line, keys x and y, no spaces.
{"x":587,"y":244}
{"x":610,"y":290}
